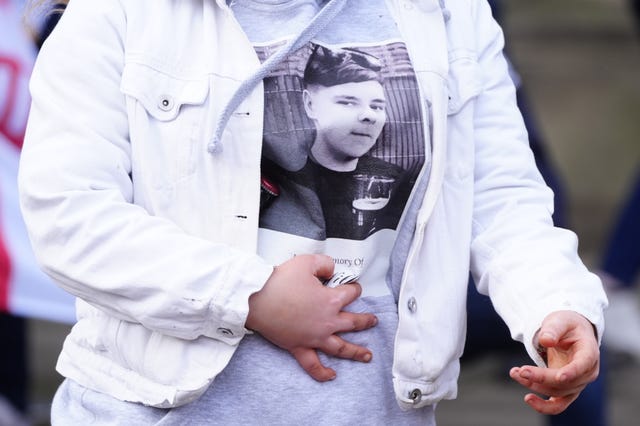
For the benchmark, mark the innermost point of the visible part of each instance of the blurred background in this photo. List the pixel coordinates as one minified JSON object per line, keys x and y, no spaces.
{"x":579,"y":62}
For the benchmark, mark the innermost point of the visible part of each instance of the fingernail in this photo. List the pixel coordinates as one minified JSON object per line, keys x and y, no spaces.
{"x":548,"y":335}
{"x":366,"y":357}
{"x":563,"y":378}
{"x":525,"y":374}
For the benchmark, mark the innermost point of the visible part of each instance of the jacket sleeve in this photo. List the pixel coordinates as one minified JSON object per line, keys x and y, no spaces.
{"x":77,"y":197}
{"x":527,"y":266}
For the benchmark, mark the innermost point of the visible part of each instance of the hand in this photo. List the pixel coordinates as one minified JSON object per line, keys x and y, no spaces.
{"x":573,"y":359}
{"x":296,"y":312}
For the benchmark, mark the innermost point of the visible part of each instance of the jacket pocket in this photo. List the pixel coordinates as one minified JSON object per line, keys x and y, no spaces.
{"x":464,"y":84}
{"x":186,"y":366}
{"x":463,"y":81}
{"x":165,"y":114}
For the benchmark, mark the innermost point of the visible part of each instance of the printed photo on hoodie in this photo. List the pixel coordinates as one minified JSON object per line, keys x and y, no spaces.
{"x":343,"y":146}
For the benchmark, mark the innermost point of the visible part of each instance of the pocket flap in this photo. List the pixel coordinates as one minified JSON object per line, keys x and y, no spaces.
{"x":162,"y":95}
{"x":463,"y":82}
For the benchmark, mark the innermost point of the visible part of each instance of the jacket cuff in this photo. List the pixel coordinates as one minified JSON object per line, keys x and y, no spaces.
{"x":229,"y":313}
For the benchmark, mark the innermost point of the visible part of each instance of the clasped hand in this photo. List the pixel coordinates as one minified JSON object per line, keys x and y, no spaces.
{"x":573,"y":359}
{"x":297,"y":313}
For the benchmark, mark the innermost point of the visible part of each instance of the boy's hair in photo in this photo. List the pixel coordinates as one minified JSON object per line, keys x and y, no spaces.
{"x":327,"y":67}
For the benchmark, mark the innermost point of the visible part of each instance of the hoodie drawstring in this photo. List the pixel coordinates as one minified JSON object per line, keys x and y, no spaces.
{"x":322,"y":18}
{"x":445,"y":12}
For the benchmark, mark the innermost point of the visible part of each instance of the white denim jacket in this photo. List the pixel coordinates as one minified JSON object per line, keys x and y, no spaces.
{"x":156,"y":237}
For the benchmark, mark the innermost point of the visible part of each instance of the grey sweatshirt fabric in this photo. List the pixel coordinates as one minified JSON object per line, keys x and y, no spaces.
{"x":263,"y":385}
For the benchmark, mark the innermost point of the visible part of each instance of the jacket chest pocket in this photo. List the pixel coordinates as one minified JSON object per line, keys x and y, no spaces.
{"x":463,"y":82}
{"x":166,"y":116}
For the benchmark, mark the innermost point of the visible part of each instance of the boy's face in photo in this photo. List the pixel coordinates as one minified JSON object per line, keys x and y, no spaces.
{"x":348,"y":117}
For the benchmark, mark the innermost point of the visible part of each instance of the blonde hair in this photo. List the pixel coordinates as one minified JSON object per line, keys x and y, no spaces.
{"x":40,"y":8}
{"x":51,"y":4}
{"x":36,"y":10}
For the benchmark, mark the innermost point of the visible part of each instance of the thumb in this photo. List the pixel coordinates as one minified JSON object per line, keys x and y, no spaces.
{"x":322,"y":266}
{"x":552,"y":329}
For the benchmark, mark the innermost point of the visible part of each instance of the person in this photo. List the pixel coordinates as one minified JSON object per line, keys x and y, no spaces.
{"x":620,"y":263}
{"x":343,"y":95}
{"x":486,"y":334}
{"x":619,"y":270}
{"x":14,"y":371}
{"x":140,"y":187}
{"x":537,"y":140}
{"x":635,"y":9}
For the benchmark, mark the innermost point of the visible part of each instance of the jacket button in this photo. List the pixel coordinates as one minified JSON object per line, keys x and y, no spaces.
{"x":225,"y":332}
{"x":415,"y":395}
{"x":165,"y":103}
{"x":412,"y":304}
